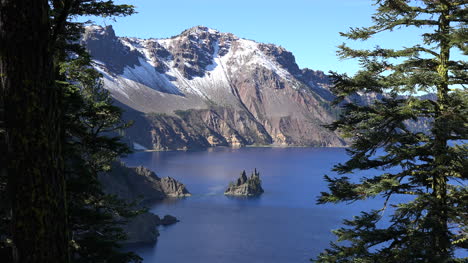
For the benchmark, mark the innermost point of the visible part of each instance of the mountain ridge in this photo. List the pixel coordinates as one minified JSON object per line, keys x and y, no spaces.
{"x":205,"y":88}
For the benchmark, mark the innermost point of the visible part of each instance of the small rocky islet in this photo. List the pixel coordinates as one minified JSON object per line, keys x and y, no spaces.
{"x":140,"y":183}
{"x":246,"y":186}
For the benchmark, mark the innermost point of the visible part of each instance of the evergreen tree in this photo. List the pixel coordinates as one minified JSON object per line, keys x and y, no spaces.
{"x":426,"y":167}
{"x":92,"y":123}
{"x":43,"y":125}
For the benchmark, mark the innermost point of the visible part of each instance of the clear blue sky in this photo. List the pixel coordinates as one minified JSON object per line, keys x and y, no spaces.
{"x":308,"y":28}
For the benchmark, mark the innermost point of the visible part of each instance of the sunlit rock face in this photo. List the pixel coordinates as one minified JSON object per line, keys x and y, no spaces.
{"x":205,"y":88}
{"x":246,"y":186}
{"x":142,"y":186}
{"x":140,"y":183}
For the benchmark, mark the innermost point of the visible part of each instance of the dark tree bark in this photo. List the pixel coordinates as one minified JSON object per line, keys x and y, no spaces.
{"x":32,"y":119}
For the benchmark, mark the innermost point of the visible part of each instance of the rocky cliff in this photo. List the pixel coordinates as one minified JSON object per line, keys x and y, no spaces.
{"x":246,"y":186}
{"x":143,"y":186}
{"x":140,"y":183}
{"x":205,"y":88}
{"x":143,"y":228}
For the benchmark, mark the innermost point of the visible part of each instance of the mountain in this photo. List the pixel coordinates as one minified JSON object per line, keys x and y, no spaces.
{"x":205,"y":88}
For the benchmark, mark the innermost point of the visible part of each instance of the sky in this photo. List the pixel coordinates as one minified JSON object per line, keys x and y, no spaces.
{"x":308,"y":28}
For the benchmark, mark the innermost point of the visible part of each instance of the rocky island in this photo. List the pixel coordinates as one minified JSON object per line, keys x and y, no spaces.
{"x":245,"y":186}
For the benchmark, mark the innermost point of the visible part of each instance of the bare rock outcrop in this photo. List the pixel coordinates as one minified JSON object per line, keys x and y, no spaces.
{"x":168,"y":220}
{"x":173,"y":188}
{"x":140,"y":183}
{"x":143,"y":186}
{"x":203,"y":128}
{"x":142,"y":229}
{"x":246,"y":186}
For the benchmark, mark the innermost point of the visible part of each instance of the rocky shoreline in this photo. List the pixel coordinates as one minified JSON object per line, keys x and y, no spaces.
{"x":143,"y":228}
{"x":141,"y":185}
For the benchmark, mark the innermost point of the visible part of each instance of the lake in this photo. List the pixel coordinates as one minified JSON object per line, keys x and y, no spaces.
{"x":282,"y":225}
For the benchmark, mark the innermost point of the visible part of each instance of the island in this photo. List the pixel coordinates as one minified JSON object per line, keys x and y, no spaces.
{"x":245,"y":186}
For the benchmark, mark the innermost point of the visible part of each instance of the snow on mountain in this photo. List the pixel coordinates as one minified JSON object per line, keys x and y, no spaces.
{"x":232,"y":90}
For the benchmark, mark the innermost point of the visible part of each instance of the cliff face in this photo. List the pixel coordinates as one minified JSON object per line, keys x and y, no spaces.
{"x":140,"y":183}
{"x":142,"y":229}
{"x":204,"y":88}
{"x":143,"y":186}
{"x":205,"y":128}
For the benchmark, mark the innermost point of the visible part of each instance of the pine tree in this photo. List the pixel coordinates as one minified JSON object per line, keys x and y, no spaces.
{"x":92,"y":124}
{"x":427,"y":167}
{"x":92,"y":143}
{"x":36,"y":38}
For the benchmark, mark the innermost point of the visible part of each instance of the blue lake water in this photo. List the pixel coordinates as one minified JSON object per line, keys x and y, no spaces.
{"x":282,"y":225}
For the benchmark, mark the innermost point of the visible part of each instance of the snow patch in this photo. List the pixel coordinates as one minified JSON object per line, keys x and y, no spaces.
{"x":212,"y":31}
{"x":110,"y":80}
{"x":147,"y":75}
{"x":166,"y":42}
{"x":215,"y":82}
{"x":216,"y":79}
{"x":215,"y":56}
{"x":256,"y":57}
{"x":98,"y":29}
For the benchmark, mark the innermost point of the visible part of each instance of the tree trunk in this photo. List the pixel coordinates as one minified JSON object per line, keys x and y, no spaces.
{"x":440,"y":233}
{"x":33,"y":119}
